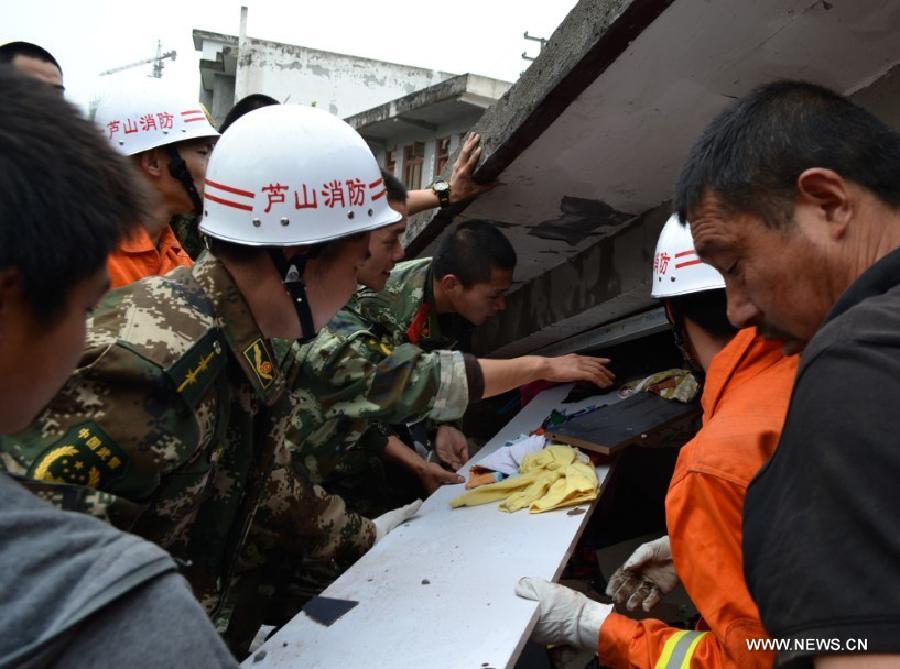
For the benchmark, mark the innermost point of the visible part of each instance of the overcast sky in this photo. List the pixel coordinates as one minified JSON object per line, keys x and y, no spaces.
{"x":89,"y":36}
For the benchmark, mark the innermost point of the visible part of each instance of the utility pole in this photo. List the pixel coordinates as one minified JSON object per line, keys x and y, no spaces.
{"x":531,"y":38}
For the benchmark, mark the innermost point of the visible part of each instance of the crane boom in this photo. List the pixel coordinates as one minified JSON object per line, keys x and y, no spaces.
{"x":157,"y":61}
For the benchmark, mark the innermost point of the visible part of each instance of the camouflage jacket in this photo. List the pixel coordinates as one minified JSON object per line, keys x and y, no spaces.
{"x":358,"y":375}
{"x":362,"y":373}
{"x":174,"y":427}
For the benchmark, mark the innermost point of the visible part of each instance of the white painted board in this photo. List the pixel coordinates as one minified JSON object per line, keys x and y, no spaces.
{"x":439,"y":591}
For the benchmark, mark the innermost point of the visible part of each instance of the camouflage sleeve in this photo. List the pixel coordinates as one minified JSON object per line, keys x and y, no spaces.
{"x":379,"y":308}
{"x":293,"y":509}
{"x":104,"y":442}
{"x":363,"y":377}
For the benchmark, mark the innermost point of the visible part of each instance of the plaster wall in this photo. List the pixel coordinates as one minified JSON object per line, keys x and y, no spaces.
{"x":341,"y":84}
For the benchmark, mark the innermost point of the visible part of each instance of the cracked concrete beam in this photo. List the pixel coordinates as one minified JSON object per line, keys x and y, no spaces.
{"x":593,"y":35}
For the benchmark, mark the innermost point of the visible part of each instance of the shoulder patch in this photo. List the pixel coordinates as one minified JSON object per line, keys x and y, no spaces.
{"x":376,"y":345}
{"x":85,"y":455}
{"x":260,"y":363}
{"x":194,"y":371}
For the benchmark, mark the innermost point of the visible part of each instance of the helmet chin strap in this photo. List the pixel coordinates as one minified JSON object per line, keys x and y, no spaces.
{"x":675,"y":316}
{"x":179,"y":170}
{"x":292,"y":275}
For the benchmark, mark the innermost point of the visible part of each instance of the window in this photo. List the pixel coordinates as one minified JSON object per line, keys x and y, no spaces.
{"x":441,"y":156}
{"x":390,"y":163}
{"x":413,"y":156}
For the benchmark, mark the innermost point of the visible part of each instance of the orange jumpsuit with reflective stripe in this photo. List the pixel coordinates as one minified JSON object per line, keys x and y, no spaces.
{"x":138,"y":257}
{"x":745,"y":399}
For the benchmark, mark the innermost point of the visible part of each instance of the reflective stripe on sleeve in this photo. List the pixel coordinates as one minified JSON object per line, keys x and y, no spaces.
{"x":679,"y":650}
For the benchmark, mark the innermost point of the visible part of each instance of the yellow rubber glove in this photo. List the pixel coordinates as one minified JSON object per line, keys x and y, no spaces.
{"x":551,"y":478}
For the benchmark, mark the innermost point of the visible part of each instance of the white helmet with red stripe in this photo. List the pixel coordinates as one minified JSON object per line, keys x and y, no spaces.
{"x":151,"y":115}
{"x":290,"y":176}
{"x":676,"y":268}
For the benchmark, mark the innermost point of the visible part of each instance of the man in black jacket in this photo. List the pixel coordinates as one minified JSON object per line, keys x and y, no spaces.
{"x":793,"y":195}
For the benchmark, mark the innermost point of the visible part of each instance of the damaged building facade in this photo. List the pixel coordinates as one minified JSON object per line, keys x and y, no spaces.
{"x":234,"y":66}
{"x":413,"y":118}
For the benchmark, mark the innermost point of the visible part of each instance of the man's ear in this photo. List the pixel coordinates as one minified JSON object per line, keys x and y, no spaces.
{"x":831,"y":196}
{"x":450,"y":283}
{"x":150,"y":162}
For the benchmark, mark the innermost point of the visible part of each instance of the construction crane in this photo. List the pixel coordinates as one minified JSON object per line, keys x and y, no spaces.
{"x":157,"y":61}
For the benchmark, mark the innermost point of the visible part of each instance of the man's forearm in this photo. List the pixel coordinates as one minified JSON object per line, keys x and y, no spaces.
{"x":420,"y":200}
{"x":501,"y":376}
{"x":407,"y":458}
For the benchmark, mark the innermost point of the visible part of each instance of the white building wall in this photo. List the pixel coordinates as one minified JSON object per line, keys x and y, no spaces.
{"x":222,"y":97}
{"x":341,"y":84}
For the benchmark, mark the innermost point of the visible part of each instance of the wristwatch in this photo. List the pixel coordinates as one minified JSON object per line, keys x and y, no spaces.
{"x":442,"y":189}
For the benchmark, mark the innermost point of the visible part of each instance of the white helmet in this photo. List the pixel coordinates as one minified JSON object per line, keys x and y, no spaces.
{"x":152,"y":115}
{"x":291,"y":176}
{"x":676,"y":268}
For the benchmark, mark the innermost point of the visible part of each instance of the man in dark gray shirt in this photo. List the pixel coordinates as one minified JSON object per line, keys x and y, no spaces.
{"x":793,"y":194}
{"x":79,"y":593}
{"x":75,"y":591}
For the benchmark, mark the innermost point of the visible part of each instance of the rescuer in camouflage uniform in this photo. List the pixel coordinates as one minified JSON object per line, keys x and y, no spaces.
{"x":387,"y":358}
{"x":175,"y":424}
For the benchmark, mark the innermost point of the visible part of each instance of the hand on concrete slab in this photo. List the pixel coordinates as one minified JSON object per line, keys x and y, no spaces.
{"x":574,"y":367}
{"x":393,"y":519}
{"x":432,"y":476}
{"x":646,"y":576}
{"x":567,"y":617}
{"x":462,"y":187}
{"x":451,"y":446}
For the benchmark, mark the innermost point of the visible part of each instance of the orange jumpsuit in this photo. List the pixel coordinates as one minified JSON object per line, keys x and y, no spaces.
{"x":137,"y":257}
{"x":745,"y":399}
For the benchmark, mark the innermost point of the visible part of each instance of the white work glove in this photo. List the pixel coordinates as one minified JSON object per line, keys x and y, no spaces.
{"x":567,"y":617}
{"x":393,"y":519}
{"x":645,"y":577}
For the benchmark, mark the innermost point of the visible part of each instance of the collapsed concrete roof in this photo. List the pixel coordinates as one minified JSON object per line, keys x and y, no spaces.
{"x":588,"y":143}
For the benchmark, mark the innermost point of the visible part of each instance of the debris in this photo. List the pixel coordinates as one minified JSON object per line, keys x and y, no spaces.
{"x":326,"y":610}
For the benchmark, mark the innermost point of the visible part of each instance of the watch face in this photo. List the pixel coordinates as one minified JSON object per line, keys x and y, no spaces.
{"x":440,"y":185}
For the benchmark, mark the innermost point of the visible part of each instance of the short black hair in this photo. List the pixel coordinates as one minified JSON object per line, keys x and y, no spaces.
{"x":708,"y":309}
{"x":10,"y":50}
{"x":66,"y":197}
{"x":751,"y":155}
{"x":396,"y":191}
{"x":245,"y":106}
{"x":471,"y":250}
